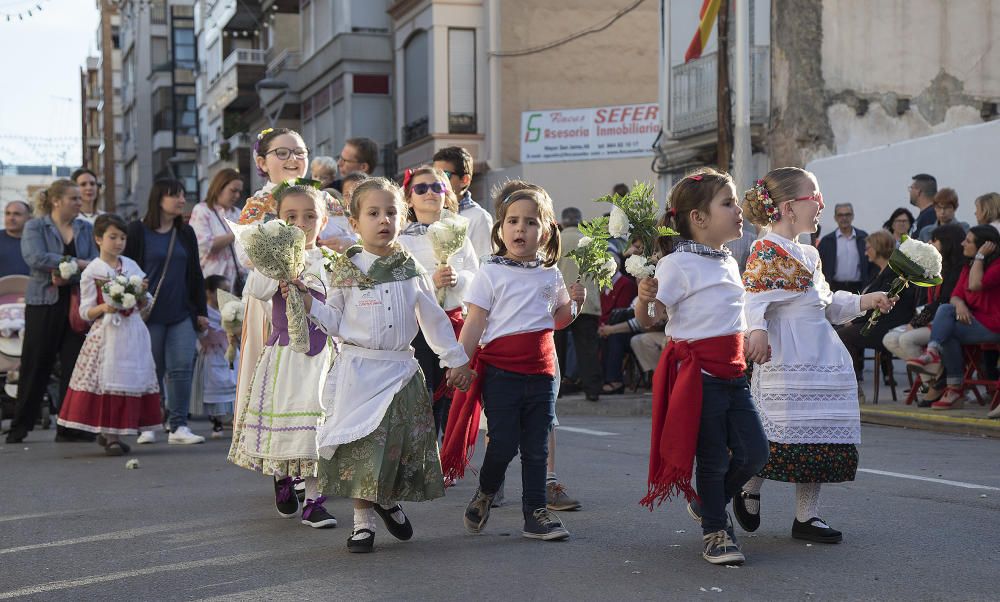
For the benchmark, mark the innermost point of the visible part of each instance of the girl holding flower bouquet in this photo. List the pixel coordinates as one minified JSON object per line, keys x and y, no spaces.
{"x":437,"y":238}
{"x":213,"y":387}
{"x":803,"y":380}
{"x":274,"y":432}
{"x":702,"y":411}
{"x":113,"y":390}
{"x":377,"y":444}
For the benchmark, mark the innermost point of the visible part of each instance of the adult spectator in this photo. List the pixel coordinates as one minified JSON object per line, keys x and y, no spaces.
{"x":167,"y":250}
{"x":457,"y":164}
{"x":945,"y":205}
{"x":842,"y":252}
{"x":358,"y":154}
{"x":584,"y":328}
{"x":216,"y":242}
{"x":620,"y":189}
{"x":878,"y":247}
{"x":621,"y":295}
{"x":324,"y":169}
{"x":908,"y":342}
{"x":15,"y":216}
{"x":922,"y":191}
{"x":972,"y":317}
{"x":988,"y":210}
{"x":899,"y":223}
{"x":89,"y":189}
{"x":56,"y":233}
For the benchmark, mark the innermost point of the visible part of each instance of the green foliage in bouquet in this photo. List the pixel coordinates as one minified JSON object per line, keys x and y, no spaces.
{"x":635,"y":215}
{"x":592,"y":255}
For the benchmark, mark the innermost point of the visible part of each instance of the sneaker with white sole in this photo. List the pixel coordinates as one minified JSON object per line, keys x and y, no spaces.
{"x":146,"y":437}
{"x":721,"y":548}
{"x":184,"y":436}
{"x":477,"y":512}
{"x":556,"y":498}
{"x":545,"y":525}
{"x":316,"y":516}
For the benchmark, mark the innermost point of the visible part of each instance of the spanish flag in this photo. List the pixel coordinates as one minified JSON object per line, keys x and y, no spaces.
{"x":709,"y":10}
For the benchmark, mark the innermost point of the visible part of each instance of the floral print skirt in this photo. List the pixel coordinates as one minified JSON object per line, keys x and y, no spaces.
{"x":811,"y":462}
{"x":398,"y":461}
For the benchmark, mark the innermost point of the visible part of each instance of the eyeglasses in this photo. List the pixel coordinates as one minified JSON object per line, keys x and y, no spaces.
{"x":436,"y":187}
{"x":901,"y":220}
{"x":342,"y":159}
{"x":944,"y":207}
{"x":452,"y":174}
{"x":818,"y":197}
{"x":283,"y":153}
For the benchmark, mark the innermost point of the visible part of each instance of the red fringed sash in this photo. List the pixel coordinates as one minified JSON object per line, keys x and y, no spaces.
{"x":524,"y":353}
{"x":677,"y":397}
{"x":457,"y":322}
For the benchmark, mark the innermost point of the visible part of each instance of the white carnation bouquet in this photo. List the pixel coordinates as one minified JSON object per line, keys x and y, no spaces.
{"x":914,"y":262}
{"x":447,"y":236}
{"x":232,"y":310}
{"x":68,"y":267}
{"x":592,"y":256}
{"x":278,"y":250}
{"x":124,"y":294}
{"x":635,"y":216}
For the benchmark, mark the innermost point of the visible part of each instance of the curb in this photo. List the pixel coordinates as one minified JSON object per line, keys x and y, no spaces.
{"x":640,"y":405}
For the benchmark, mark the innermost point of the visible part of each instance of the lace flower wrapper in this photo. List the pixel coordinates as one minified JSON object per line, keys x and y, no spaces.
{"x":914,"y":262}
{"x":232,"y":310}
{"x":278,"y":251}
{"x":447,"y":236}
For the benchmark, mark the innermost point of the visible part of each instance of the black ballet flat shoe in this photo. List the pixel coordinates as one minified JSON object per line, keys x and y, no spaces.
{"x":815,"y":530}
{"x":361,"y":546}
{"x":401,"y":531}
{"x":748,"y":520}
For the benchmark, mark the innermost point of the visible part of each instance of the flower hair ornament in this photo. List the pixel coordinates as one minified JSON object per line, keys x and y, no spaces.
{"x":407,"y":176}
{"x":260,"y":136}
{"x":696,"y":178}
{"x":763,"y":197}
{"x":280,"y":189}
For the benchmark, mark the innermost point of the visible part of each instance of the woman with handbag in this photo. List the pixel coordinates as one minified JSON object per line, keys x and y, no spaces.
{"x":57,"y":236}
{"x":167,"y":251}
{"x":216,"y":243}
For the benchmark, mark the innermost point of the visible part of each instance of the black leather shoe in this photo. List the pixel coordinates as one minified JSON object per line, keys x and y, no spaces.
{"x":361,"y":546}
{"x":402,"y":531}
{"x":815,"y":530}
{"x":14,"y":437}
{"x":748,"y":520}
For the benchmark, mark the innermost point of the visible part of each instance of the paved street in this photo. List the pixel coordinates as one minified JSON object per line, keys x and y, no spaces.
{"x":75,"y":524}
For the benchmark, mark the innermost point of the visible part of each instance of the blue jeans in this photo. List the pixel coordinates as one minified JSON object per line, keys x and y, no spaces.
{"x":174,"y":354}
{"x":519,"y":410}
{"x":615,"y":348}
{"x":729,"y":423}
{"x":948,"y":335}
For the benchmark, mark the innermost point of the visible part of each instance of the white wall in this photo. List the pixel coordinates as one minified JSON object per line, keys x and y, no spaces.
{"x":876,"y":180}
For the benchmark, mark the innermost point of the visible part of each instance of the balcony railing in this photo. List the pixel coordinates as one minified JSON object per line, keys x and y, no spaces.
{"x":240,"y":140}
{"x":693,"y":92}
{"x":415,"y":130}
{"x":286,"y":59}
{"x":244,"y":56}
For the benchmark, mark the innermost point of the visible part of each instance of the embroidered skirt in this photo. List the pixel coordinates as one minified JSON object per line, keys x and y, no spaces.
{"x":811,"y":462}
{"x":398,"y":461}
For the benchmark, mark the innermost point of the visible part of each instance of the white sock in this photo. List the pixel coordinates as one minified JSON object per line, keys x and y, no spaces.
{"x":551,"y":478}
{"x":364,"y":518}
{"x":312,"y":488}
{"x":807,"y":501}
{"x":753,"y":486}
{"x":397,"y":515}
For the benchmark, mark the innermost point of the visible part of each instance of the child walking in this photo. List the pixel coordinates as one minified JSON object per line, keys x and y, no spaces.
{"x":515,"y":302}
{"x":275,"y":428}
{"x":803,"y":383}
{"x":377,"y":445}
{"x":702,"y":410}
{"x":113,"y":390}
{"x":213,"y":387}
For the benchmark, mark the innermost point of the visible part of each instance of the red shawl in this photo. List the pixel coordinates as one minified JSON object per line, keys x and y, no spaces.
{"x":677,"y":391}
{"x":524,"y":353}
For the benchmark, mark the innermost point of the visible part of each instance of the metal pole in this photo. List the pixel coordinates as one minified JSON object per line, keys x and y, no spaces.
{"x":741,"y":126}
{"x":663,"y":180}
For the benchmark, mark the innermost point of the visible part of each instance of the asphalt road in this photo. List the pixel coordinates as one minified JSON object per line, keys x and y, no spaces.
{"x":76,"y":525}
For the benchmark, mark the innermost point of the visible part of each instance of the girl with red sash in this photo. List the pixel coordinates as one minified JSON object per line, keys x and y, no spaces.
{"x":702,"y":409}
{"x":515,"y":302}
{"x":429,"y":198}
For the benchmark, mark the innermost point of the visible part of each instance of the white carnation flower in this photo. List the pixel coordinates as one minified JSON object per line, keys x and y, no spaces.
{"x":120,"y":279}
{"x":115,"y":289}
{"x":639,"y":266}
{"x":232,"y":311}
{"x":128,"y":300}
{"x":924,"y":255}
{"x":135,"y":281}
{"x":618,"y":224}
{"x":585,"y":241}
{"x":610,"y":266}
{"x":273,"y":227}
{"x":67,"y":269}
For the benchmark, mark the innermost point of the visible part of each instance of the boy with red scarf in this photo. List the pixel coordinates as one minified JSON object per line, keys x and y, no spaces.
{"x":701,"y":400}
{"x":515,"y":302}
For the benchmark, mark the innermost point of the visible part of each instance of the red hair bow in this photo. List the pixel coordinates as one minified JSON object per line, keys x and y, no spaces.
{"x":672,"y":212}
{"x":407,"y":176}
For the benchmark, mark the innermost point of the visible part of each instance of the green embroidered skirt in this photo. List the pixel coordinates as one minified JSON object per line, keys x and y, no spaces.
{"x":398,"y":461}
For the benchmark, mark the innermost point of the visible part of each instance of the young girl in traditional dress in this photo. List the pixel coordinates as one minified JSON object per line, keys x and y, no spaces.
{"x":377,"y":444}
{"x":515,"y":302}
{"x":701,"y":401}
{"x":213,"y":389}
{"x":275,"y":429}
{"x":113,"y":390}
{"x":803,"y":381}
{"x":428,"y":196}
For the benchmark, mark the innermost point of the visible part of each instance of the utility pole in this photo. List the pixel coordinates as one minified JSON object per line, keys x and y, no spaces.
{"x":663,"y":179}
{"x":724,"y":104}
{"x":742,"y":150}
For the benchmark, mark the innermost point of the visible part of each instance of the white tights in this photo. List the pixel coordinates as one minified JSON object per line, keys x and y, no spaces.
{"x":806,"y":498}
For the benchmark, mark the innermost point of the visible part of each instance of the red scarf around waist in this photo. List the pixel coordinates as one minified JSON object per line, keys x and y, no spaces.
{"x":457,"y":322}
{"x":677,"y":397}
{"x":524,"y":353}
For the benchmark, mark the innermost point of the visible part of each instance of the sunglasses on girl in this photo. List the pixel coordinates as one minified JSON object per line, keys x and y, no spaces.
{"x":422,"y":188}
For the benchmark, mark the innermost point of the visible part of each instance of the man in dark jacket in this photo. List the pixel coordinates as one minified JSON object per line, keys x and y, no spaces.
{"x":842,"y":252}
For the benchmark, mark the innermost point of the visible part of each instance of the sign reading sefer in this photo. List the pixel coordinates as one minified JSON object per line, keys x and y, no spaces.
{"x":614,"y":132}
